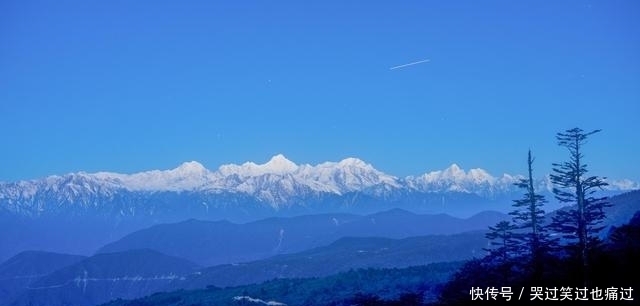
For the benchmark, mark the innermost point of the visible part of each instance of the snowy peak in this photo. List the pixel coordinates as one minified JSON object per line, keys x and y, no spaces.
{"x":192,"y":167}
{"x":480,"y":176}
{"x":624,"y":184}
{"x":280,"y":165}
{"x":353,"y":162}
{"x":350,"y":174}
{"x":187,"y":176}
{"x":454,"y":172}
{"x":456,"y":179}
{"x":454,"y":169}
{"x":277,"y":182}
{"x":280,"y":178}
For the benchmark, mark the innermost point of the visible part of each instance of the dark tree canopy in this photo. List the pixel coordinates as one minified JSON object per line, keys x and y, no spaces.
{"x":580,"y":223}
{"x":502,"y":240}
{"x":523,"y":254}
{"x":533,"y":239}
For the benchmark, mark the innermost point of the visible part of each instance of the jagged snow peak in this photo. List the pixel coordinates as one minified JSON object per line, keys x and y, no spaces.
{"x":455,"y":179}
{"x":276,"y":165}
{"x":624,"y":184}
{"x":192,"y":167}
{"x":350,"y":174}
{"x":280,"y":178}
{"x":276,"y":181}
{"x":188,"y":176}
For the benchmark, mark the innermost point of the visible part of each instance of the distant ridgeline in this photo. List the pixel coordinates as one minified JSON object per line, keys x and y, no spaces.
{"x":250,"y":191}
{"x":314,"y":259}
{"x":407,"y":286}
{"x":80,"y":212}
{"x":313,"y":233}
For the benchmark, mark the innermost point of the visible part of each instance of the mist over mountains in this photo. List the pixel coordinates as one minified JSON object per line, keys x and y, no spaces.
{"x":170,"y":256}
{"x":203,"y":254}
{"x":211,"y":256}
{"x":221,"y":242}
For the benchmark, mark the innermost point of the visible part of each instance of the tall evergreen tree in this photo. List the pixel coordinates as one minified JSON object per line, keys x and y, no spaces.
{"x":581,"y":221}
{"x":503,"y":246}
{"x":529,"y":218}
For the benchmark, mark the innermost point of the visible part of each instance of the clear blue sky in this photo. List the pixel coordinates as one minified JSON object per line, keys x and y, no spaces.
{"x":136,"y":85}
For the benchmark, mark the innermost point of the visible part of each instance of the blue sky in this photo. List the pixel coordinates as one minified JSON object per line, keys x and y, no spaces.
{"x":136,"y":85}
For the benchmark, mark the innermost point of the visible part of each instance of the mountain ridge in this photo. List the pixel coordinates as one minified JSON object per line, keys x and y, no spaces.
{"x":278,"y":183}
{"x":102,"y":277}
{"x":222,"y":242}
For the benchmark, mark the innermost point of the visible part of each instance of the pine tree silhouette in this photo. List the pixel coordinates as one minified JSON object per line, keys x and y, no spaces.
{"x":579,"y":224}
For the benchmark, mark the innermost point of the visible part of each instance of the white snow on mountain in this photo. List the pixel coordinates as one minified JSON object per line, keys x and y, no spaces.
{"x":624,"y":184}
{"x":350,"y":174}
{"x":276,"y":165}
{"x":280,"y":179}
{"x":188,"y":176}
{"x":455,"y":179}
{"x":276,"y":182}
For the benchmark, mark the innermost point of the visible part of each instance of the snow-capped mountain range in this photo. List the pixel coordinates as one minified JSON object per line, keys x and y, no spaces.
{"x":277,"y":183}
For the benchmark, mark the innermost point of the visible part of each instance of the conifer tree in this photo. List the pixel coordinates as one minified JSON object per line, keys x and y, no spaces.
{"x":580,"y":223}
{"x":528,"y":216}
{"x":502,"y":240}
{"x":503,"y":248}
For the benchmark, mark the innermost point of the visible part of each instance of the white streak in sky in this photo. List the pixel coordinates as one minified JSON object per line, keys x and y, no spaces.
{"x":409,"y":64}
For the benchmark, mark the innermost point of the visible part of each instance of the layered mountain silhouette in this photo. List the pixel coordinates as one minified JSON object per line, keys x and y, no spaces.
{"x":343,"y":255}
{"x":219,"y":242}
{"x":103,"y":277}
{"x":21,"y":271}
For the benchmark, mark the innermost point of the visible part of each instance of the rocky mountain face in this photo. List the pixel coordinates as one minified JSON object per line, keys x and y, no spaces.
{"x":257,"y":190}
